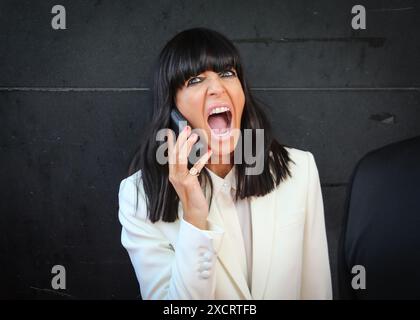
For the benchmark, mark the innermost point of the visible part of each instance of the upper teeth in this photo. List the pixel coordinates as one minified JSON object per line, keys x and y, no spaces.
{"x":219,"y":110}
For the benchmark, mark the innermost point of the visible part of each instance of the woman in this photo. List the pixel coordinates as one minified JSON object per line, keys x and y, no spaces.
{"x":214,"y":228}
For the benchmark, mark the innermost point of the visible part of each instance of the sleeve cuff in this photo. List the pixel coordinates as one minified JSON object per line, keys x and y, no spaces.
{"x":212,"y":237}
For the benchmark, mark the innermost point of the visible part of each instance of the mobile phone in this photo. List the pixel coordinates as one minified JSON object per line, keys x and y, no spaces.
{"x":177,"y":124}
{"x":178,"y":121}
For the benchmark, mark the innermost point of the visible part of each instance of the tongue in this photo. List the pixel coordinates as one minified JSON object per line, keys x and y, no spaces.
{"x":218,"y":121}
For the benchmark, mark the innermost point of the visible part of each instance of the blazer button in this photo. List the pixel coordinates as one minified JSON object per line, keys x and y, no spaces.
{"x":205,"y":274}
{"x":208,"y":256}
{"x":204,"y":266}
{"x":202,"y":250}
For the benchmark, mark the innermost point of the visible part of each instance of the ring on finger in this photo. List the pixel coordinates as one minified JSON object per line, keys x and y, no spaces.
{"x":194,"y":172}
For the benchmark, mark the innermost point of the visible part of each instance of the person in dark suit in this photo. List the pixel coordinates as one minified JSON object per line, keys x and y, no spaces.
{"x":380,"y":240}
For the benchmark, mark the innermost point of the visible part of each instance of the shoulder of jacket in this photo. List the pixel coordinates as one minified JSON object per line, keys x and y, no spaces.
{"x":299,"y":157}
{"x":303,"y":164}
{"x":131,"y":195}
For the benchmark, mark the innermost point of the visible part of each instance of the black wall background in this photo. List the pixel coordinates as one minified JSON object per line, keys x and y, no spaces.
{"x":74,"y":102}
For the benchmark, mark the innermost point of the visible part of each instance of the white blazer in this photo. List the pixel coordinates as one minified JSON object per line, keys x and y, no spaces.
{"x":289,"y":245}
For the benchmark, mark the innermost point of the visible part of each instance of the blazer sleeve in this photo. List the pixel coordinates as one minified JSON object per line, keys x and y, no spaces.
{"x":164,"y":272}
{"x":316,"y":275}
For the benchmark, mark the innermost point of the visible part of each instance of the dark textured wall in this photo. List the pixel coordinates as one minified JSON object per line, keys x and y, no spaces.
{"x":73,"y":104}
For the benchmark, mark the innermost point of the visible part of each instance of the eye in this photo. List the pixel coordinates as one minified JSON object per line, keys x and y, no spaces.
{"x":228,"y":73}
{"x":193,"y":80}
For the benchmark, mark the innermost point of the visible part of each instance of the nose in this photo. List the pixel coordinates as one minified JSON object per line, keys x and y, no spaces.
{"x":215,"y":86}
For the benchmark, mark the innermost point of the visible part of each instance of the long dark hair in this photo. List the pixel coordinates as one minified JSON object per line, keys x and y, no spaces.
{"x":188,"y":54}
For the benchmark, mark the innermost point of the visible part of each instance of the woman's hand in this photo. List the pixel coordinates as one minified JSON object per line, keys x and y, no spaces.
{"x":187,"y":186}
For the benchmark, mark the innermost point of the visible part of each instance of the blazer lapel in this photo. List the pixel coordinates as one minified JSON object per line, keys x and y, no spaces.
{"x":263,"y":224}
{"x":226,"y":256}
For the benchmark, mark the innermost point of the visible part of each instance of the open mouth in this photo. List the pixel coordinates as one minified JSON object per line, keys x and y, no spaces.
{"x":220,"y":121}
